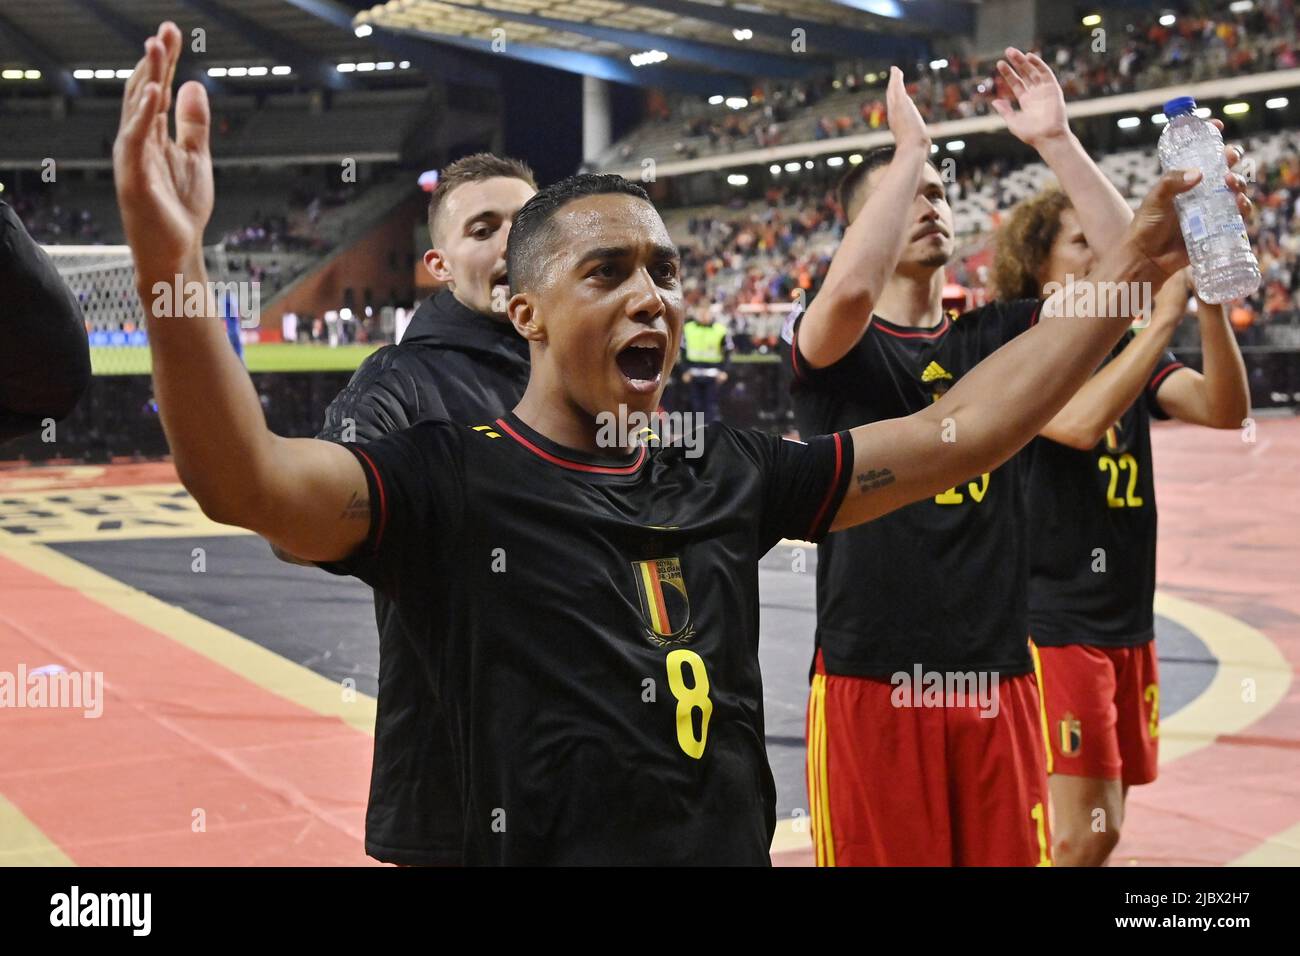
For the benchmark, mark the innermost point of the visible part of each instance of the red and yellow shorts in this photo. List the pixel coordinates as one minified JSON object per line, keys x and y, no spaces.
{"x":1103,"y":711}
{"x":955,"y":785}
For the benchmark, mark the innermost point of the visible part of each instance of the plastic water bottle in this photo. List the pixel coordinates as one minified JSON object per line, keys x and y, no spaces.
{"x":1223,"y":266}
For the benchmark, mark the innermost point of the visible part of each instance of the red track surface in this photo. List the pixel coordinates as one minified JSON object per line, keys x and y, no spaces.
{"x":1229,"y":540}
{"x":278,"y":785}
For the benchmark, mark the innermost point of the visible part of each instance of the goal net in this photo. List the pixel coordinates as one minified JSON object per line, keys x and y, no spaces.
{"x":103,"y":280}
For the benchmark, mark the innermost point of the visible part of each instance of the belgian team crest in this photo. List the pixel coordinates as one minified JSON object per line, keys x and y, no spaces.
{"x":665,"y":608}
{"x":1113,"y":436}
{"x":1070,"y":735}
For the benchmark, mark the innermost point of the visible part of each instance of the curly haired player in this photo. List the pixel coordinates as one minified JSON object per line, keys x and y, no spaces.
{"x":1091,"y":486}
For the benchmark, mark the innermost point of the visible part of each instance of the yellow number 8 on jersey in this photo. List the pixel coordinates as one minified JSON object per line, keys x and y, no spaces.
{"x":689,"y":698}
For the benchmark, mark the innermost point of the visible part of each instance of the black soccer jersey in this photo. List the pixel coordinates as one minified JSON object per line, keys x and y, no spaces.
{"x":1092,"y":519}
{"x":593,"y":629}
{"x":457,"y":364}
{"x":941,"y":582}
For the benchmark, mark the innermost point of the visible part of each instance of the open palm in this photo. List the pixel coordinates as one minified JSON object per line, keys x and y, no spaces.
{"x":905,"y":120}
{"x":164,"y":185}
{"x":1041,"y":114}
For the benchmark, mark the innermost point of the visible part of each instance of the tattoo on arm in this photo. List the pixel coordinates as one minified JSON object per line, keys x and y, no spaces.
{"x":874,"y":478}
{"x":357,"y":507}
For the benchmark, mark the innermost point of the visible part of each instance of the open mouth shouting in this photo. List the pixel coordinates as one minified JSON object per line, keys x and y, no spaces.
{"x":641,"y":361}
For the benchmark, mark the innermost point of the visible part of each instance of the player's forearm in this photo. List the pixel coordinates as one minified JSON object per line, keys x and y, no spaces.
{"x":1223,"y":385}
{"x":1105,"y":396}
{"x":873,"y":243}
{"x":210,"y":411}
{"x":1007,"y":399}
{"x":1103,"y":213}
{"x":865,"y":260}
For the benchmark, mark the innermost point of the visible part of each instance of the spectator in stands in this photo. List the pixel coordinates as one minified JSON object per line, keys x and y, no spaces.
{"x":706,"y":351}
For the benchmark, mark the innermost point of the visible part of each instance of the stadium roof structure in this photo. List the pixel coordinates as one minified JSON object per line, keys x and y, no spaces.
{"x":699,"y":46}
{"x":59,"y":44}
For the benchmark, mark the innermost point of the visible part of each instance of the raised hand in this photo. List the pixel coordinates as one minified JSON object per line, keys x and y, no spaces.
{"x":1041,"y":115}
{"x":905,"y":120}
{"x":1155,"y":231}
{"x":164,"y":185}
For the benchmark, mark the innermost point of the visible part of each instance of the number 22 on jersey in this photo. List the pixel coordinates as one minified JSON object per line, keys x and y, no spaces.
{"x":1113,"y":467}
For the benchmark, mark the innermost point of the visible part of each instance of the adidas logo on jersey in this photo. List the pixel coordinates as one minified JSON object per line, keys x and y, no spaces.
{"x":934,"y":371}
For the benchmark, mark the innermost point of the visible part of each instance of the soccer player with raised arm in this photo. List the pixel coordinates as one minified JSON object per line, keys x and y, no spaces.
{"x":935,"y":594}
{"x":594,"y":608}
{"x":1092,"y":529}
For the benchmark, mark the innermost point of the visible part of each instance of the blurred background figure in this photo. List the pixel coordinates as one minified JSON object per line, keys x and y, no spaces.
{"x":706,"y":348}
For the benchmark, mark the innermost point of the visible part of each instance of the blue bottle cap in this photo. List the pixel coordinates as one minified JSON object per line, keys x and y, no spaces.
{"x":1179,"y":105}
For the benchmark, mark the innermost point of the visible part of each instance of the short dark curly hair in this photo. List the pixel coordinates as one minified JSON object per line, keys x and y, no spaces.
{"x":1024,"y":244}
{"x":531,"y":230}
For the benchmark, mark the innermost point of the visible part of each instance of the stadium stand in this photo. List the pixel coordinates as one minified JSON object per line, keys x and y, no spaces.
{"x":850,"y":99}
{"x":750,"y":258}
{"x":368,"y":125}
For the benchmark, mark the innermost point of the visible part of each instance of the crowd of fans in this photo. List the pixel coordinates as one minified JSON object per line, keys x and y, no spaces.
{"x":263,"y":234}
{"x":50,"y":222}
{"x":292,"y":227}
{"x":759,"y":255}
{"x":747,"y":261}
{"x":269,"y":272}
{"x":52,"y":219}
{"x":1142,"y":54}
{"x":1275,"y":239}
